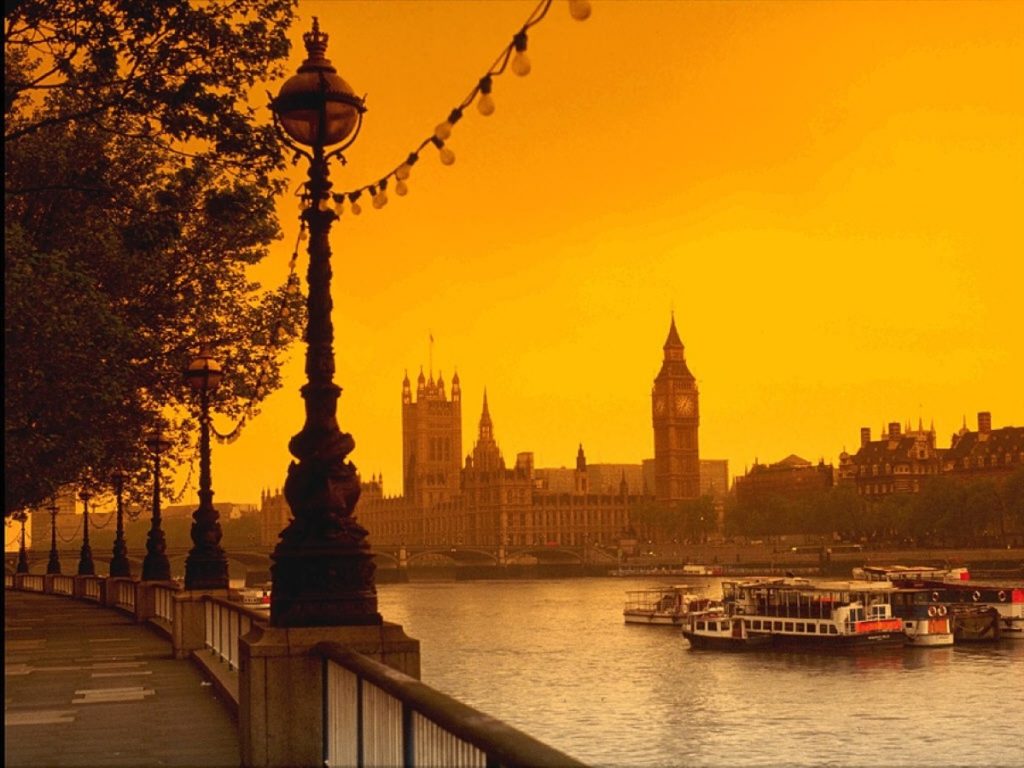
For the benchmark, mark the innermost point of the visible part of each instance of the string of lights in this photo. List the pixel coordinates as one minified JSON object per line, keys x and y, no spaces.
{"x":74,"y":535}
{"x":513,"y":56}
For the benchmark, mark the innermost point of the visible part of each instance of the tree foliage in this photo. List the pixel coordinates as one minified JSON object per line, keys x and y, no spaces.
{"x":139,"y":187}
{"x":947,"y":511}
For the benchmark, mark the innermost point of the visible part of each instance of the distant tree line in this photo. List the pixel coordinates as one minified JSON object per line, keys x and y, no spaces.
{"x":947,"y":511}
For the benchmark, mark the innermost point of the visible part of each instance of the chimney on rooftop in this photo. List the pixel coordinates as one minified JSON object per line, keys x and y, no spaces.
{"x":894,"y":430}
{"x":984,"y":422}
{"x":865,"y":436}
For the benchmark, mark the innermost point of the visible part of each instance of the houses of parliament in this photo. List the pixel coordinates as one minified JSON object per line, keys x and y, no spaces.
{"x":480,"y":500}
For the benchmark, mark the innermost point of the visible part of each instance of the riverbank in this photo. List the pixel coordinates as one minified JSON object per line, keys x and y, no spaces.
{"x":732,"y":560}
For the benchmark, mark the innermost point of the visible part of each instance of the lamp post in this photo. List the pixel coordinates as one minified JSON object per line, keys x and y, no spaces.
{"x":206,"y":566}
{"x":21,"y":516}
{"x":155,"y":566}
{"x":322,"y":566}
{"x":119,"y":565}
{"x":85,"y":564}
{"x":53,"y":566}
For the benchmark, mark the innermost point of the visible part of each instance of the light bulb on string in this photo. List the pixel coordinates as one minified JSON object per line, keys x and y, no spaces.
{"x":401,"y":188}
{"x":520,"y":62}
{"x":446,"y":155}
{"x":485,"y":104}
{"x":380,"y":197}
{"x":444,"y":130}
{"x":579,"y":9}
{"x":339,"y":205}
{"x":353,"y":199}
{"x":324,"y":204}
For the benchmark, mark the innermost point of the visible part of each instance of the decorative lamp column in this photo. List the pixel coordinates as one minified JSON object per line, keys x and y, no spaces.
{"x":119,"y":565}
{"x":206,"y":566}
{"x":22,"y":517}
{"x":155,"y":566}
{"x":322,"y":566}
{"x":85,"y":564}
{"x":53,"y":566}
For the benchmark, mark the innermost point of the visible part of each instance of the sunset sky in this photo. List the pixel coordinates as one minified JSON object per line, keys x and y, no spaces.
{"x":828,"y":195}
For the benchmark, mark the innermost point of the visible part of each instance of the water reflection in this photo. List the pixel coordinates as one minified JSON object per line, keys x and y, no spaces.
{"x":556,"y":659}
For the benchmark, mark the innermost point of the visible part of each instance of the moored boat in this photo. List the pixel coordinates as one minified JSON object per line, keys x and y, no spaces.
{"x":797,"y":612}
{"x":667,"y":605}
{"x":717,"y":630}
{"x":925,"y":623}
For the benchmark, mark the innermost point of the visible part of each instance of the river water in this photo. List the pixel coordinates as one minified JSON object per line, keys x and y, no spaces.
{"x":555,"y":659}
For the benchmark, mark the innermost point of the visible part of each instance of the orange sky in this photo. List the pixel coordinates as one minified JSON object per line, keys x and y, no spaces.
{"x":827,"y":194}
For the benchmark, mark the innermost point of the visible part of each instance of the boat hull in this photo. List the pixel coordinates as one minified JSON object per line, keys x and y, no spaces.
{"x":703,"y":642}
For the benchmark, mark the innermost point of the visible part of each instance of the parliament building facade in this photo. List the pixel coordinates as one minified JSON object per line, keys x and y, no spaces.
{"x":482,"y":500}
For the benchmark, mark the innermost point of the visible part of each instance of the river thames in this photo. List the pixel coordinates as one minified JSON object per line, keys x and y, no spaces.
{"x":555,"y":659}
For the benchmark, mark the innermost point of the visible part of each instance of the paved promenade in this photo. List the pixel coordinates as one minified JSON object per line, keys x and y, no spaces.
{"x":87,"y":686}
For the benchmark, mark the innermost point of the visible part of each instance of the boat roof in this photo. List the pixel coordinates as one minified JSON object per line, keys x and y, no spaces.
{"x":806,"y":585}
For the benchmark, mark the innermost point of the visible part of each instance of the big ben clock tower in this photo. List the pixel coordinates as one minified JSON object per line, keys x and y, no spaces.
{"x":676,"y":418}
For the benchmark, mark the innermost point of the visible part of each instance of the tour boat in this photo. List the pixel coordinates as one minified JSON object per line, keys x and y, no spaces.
{"x":664,"y":605}
{"x":924,"y":623}
{"x":799,"y":613}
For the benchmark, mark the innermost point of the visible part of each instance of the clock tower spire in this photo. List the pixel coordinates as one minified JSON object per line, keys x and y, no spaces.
{"x":674,"y":402}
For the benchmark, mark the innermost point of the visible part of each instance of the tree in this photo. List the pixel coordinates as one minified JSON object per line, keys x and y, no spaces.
{"x":138,"y":189}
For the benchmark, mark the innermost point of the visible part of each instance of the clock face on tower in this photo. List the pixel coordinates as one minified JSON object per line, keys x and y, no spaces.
{"x":684,"y":404}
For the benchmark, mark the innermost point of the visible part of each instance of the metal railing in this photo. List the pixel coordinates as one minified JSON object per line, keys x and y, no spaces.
{"x":91,"y":588}
{"x":63,"y":585}
{"x":225,"y":623}
{"x":32,"y":582}
{"x":163,"y":603}
{"x":377,"y":716}
{"x":125,"y":594}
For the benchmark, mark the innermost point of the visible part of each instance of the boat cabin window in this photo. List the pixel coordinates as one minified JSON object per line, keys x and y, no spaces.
{"x":801,"y":627}
{"x":778,"y":626}
{"x":832,"y":629}
{"x":756,"y":624}
{"x":700,"y":625}
{"x":789,"y":626}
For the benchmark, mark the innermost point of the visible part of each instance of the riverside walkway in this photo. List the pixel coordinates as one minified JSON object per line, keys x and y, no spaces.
{"x":88,"y":686}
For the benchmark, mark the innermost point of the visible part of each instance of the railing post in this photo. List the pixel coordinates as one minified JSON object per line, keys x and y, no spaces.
{"x":189,"y":632}
{"x":281,"y":686}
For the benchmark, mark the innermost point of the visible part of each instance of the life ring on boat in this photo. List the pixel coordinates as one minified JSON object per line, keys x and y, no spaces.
{"x":1002,"y":596}
{"x":941,"y":610}
{"x":976,"y":596}
{"x":935,"y":597}
{"x":932,"y":610}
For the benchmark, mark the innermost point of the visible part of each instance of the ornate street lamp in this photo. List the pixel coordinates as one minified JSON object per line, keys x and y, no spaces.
{"x":85,"y":564}
{"x":53,"y":566}
{"x":155,"y":566}
{"x":21,"y":516}
{"x":206,"y":566}
{"x":323,"y":569}
{"x":119,"y":565}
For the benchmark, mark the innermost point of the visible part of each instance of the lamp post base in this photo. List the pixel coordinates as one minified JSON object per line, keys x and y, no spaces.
{"x":324,"y":584}
{"x":85,"y":564}
{"x":53,"y":566}
{"x":206,"y":569}
{"x":120,"y":567}
{"x":156,"y":567}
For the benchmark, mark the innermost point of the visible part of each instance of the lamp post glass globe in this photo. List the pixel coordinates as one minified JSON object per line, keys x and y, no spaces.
{"x":316,"y":107}
{"x":322,"y":568}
